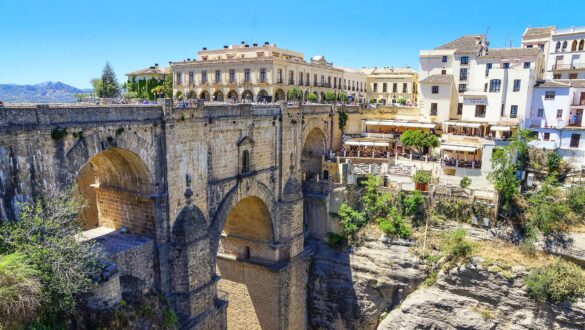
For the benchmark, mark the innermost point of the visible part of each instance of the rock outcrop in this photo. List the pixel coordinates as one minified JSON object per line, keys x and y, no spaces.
{"x":349,"y":289}
{"x":475,"y":296}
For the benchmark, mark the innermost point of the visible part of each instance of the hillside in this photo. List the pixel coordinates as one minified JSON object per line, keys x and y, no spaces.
{"x":47,"y":92}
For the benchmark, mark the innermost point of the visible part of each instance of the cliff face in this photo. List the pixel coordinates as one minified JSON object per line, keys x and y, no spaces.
{"x":478,"y":297}
{"x":349,"y":289}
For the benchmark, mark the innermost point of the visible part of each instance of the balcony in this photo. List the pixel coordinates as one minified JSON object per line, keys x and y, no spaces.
{"x":291,"y":82}
{"x":565,"y":67}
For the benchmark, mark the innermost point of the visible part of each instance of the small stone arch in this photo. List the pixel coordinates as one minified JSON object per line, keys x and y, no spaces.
{"x":247,"y":95}
{"x":218,"y":96}
{"x":232,"y":95}
{"x":322,"y":97}
{"x":279,"y":95}
{"x":314,"y":149}
{"x":574,"y":46}
{"x":564,"y":45}
{"x":263,"y":96}
{"x":204,"y":95}
{"x":558,"y":46}
{"x":192,"y":95}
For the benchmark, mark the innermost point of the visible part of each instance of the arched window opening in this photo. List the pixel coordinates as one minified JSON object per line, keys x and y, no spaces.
{"x":246,"y":162}
{"x":558,"y":46}
{"x":564,"y":45}
{"x":574,"y":46}
{"x":581,"y":44}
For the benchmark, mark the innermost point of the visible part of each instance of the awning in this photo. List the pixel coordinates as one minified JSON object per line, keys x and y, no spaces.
{"x":500,"y":128}
{"x":399,"y":123}
{"x":463,"y":124}
{"x":367,"y":143}
{"x":453,"y":147}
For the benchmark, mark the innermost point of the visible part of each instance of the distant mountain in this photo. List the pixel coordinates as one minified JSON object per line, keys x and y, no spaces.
{"x":47,"y":92}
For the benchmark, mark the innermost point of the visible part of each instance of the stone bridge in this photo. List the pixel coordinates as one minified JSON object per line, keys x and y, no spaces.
{"x":214,"y":189}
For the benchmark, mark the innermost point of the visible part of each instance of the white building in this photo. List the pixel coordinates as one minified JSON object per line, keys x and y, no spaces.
{"x":477,"y":94}
{"x":557,"y":117}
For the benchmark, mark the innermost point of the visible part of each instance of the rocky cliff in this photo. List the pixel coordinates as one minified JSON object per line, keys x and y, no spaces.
{"x":350,"y":289}
{"x":478,"y":296}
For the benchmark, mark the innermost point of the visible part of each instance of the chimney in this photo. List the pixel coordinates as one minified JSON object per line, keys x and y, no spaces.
{"x":266,"y":43}
{"x":243,"y":42}
{"x":246,"y":45}
{"x":188,"y":60}
{"x":204,"y":48}
{"x":156,"y":64}
{"x":225,"y":46}
{"x":255,"y":45}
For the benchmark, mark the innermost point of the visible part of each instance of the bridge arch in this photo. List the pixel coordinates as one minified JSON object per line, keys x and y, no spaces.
{"x":314,"y":149}
{"x":244,"y":246}
{"x":117,"y":186}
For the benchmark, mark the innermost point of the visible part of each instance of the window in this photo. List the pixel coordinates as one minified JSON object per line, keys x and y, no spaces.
{"x":384,"y":88}
{"x":308,"y":82}
{"x":540,"y":112}
{"x":516,"y":85}
{"x":404,"y":88}
{"x":217,"y":76}
{"x":556,"y":76}
{"x":394,"y":87}
{"x":463,"y":74}
{"x":485,"y":86}
{"x":263,"y":75}
{"x":558,"y":46}
{"x":279,"y":76}
{"x":433,"y":109}
{"x":232,"y":75}
{"x":300,"y":78}
{"x":191,"y":77}
{"x":291,"y":78}
{"x":572,"y":76}
{"x":495,"y":85}
{"x":526,"y":65}
{"x":315,"y":79}
{"x":464,"y":59}
{"x":443,"y":71}
{"x":546,"y":136}
{"x":514,"y":111}
{"x":528,"y":46}
{"x":204,"y":77}
{"x":247,"y":75}
{"x":502,"y":109}
{"x":549,"y":95}
{"x":575,"y":140}
{"x":435,"y":89}
{"x":459,"y":109}
{"x":246,"y":161}
{"x":462,"y":88}
{"x":444,"y":60}
{"x":506,"y":65}
{"x":480,"y":111}
{"x":334,"y":82}
{"x":375,"y":87}
{"x":488,"y":67}
{"x":559,"y":113}
{"x":564,"y":45}
{"x":178,"y":78}
{"x":322,"y":80}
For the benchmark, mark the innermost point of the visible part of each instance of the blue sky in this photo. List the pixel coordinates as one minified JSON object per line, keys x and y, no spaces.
{"x":70,"y":41}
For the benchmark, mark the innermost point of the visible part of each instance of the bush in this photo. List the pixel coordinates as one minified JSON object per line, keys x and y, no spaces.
{"x":557,"y":282}
{"x":351,"y":220}
{"x":455,"y":245}
{"x":401,"y":101}
{"x":460,"y":210}
{"x":465,"y":182}
{"x":46,"y":234}
{"x":20,"y":290}
{"x":410,"y":202}
{"x":342,"y":119}
{"x":422,"y":177}
{"x":334,"y":240}
{"x":312,"y":97}
{"x":548,"y":209}
{"x":394,"y":225}
{"x":295,"y":94}
{"x":576,"y":200}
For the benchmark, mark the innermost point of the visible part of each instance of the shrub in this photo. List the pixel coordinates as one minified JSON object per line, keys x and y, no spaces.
{"x":312,"y":97}
{"x":455,"y":245}
{"x":351,"y":220}
{"x":576,"y":200}
{"x":432,"y":279}
{"x":334,"y":240}
{"x":548,"y":210}
{"x":557,"y":282}
{"x":410,"y":202}
{"x":460,"y":210}
{"x":401,"y":101}
{"x":329,"y":97}
{"x":465,"y":182}
{"x":395,"y":225}
{"x":295,"y":94}
{"x":342,"y":119}
{"x":422,"y":177}
{"x":20,"y":290}
{"x":553,"y":162}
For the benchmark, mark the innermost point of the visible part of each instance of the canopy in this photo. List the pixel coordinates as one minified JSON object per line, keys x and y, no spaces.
{"x":399,"y":123}
{"x":453,"y":147}
{"x":463,"y":124}
{"x":500,"y":128}
{"x":367,"y":143}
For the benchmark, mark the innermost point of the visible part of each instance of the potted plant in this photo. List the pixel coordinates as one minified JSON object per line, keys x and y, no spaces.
{"x":421,"y":180}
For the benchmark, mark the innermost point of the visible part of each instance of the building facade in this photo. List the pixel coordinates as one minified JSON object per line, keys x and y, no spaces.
{"x":262,"y":73}
{"x":390,"y":85}
{"x":566,"y":57}
{"x":154,"y":71}
{"x":557,"y":117}
{"x":477,"y":94}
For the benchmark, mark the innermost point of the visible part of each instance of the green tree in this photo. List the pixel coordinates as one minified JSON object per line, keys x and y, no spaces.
{"x":503,"y":176}
{"x":418,"y":140}
{"x":351,"y":220}
{"x":97,"y":85}
{"x":465,"y":182}
{"x":576,"y":200}
{"x":547,"y":212}
{"x":132,"y":86}
{"x":553,"y":162}
{"x":342,"y":97}
{"x":342,"y":119}
{"x":519,"y":144}
{"x":401,"y":101}
{"x":168,"y":86}
{"x":46,"y":233}
{"x":295,"y":94}
{"x":329,"y":97}
{"x":110,"y":87}
{"x":312,"y":97}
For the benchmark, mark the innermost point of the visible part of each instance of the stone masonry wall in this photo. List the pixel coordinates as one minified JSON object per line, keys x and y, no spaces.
{"x":121,"y":209}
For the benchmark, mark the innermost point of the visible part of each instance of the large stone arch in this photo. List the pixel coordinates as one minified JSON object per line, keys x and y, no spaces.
{"x":314,"y":149}
{"x":117,"y":186}
{"x":247,"y":95}
{"x":204,"y":95}
{"x":279,"y":95}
